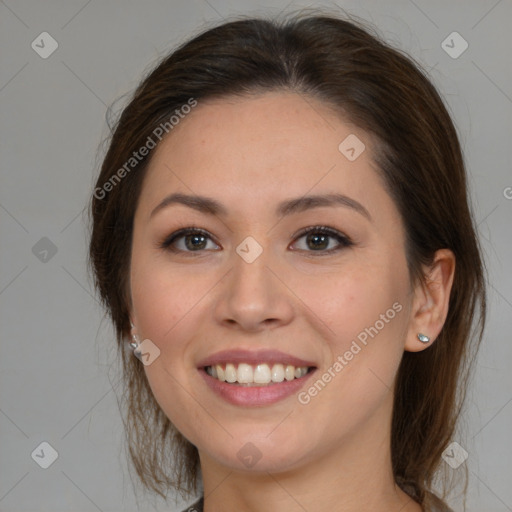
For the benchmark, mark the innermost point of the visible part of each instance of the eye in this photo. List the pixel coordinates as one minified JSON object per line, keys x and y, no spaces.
{"x":194,"y":240}
{"x":318,"y":239}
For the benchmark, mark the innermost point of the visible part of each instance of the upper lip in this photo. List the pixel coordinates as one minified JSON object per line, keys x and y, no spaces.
{"x":237,"y":356}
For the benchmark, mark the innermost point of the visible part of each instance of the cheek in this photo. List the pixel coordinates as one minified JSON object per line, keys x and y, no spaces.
{"x":366,"y":313}
{"x":366,"y":318}
{"x":166,"y":303}
{"x":163,"y":298}
{"x":359,"y":297}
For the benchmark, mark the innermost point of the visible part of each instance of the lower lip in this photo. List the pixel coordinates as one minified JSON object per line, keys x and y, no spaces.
{"x":253,"y":396}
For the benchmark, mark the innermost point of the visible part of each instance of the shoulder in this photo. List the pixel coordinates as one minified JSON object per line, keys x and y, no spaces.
{"x":195,"y":507}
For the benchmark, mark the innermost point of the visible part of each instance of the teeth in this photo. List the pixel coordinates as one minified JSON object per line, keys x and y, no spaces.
{"x":278,"y":373}
{"x":230,"y":373}
{"x":244,"y":373}
{"x":261,"y":374}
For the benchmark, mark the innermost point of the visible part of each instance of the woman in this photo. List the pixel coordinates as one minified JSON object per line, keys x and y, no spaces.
{"x":281,"y":231}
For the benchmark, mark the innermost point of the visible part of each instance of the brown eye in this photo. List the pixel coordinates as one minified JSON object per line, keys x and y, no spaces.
{"x":320,"y":239}
{"x":187,"y":240}
{"x":323,"y":240}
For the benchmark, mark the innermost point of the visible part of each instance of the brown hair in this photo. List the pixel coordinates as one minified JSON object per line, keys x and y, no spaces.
{"x":343,"y":63}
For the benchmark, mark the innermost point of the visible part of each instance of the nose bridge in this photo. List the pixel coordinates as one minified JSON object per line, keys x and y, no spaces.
{"x":252,"y":295}
{"x":251,"y":275}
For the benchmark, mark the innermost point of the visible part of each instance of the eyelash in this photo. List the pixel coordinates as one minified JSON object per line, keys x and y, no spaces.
{"x":344,"y":241}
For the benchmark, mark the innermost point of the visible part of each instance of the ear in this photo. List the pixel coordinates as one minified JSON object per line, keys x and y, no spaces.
{"x":431,"y":301}
{"x":132,"y":320}
{"x":131,"y":312}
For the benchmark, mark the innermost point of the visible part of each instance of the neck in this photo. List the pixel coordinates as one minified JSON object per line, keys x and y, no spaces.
{"x":355,"y":476}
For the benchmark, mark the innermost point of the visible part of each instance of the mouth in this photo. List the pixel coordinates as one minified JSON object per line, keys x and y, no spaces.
{"x":255,"y":378}
{"x":256,"y":375}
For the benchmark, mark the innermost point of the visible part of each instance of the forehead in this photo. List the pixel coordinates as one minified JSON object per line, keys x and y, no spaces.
{"x":245,"y":151}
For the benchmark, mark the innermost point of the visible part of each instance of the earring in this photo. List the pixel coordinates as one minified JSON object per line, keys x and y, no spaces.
{"x":135,"y":338}
{"x":136,"y":342}
{"x":423,"y":338}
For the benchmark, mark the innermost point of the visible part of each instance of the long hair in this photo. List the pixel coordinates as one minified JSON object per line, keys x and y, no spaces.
{"x":344,"y":64}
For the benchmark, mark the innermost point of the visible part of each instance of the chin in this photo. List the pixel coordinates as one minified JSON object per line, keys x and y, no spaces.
{"x":256,"y":452}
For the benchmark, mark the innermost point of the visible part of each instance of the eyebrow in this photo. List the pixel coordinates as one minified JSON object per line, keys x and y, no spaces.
{"x":210,"y":206}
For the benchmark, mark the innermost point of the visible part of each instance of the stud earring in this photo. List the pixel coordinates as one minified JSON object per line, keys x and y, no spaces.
{"x":136,"y":342}
{"x":423,"y":338}
{"x":135,"y":338}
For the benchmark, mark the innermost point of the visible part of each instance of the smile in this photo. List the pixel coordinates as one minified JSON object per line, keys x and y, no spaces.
{"x":255,"y":378}
{"x":261,"y":374}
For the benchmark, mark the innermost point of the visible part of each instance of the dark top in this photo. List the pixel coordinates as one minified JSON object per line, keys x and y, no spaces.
{"x":198,"y":507}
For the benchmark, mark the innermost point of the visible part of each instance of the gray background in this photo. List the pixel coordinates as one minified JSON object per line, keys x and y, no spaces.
{"x":57,"y":370}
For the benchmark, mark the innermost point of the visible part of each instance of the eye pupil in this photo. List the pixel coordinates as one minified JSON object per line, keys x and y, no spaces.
{"x":195,"y":238}
{"x":316,"y":238}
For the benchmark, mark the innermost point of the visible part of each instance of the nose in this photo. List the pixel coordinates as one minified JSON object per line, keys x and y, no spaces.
{"x":253,"y":296}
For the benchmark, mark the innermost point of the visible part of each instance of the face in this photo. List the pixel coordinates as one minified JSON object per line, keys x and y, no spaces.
{"x":248,"y":292}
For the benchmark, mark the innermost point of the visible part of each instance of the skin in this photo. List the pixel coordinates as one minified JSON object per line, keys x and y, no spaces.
{"x":250,"y":154}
